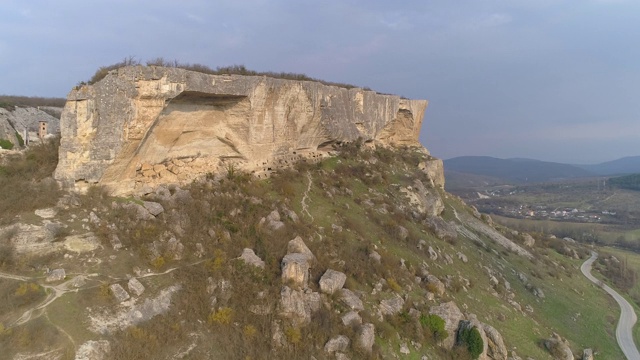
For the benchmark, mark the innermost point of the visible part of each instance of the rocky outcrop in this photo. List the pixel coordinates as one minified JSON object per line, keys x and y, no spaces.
{"x":149,"y":125}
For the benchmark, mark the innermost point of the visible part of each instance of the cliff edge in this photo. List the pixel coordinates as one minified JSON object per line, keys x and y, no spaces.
{"x":142,"y":126}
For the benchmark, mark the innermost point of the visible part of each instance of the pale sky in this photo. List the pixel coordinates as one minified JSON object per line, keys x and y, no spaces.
{"x":554,"y":80}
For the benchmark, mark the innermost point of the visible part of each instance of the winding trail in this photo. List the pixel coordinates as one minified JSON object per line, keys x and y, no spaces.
{"x":303,"y":202}
{"x":624,"y":331}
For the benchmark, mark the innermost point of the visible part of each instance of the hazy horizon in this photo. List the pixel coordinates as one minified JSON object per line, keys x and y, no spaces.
{"x":548,"y":80}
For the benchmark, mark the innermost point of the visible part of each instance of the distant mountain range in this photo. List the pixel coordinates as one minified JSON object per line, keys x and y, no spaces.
{"x":484,"y":169}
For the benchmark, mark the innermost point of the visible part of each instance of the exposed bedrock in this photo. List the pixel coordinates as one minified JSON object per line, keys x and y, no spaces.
{"x":149,"y":125}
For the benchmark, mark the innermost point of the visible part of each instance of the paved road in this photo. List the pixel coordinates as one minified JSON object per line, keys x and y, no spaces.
{"x":624,"y":331}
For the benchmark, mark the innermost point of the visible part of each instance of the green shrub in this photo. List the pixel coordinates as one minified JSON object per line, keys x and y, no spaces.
{"x":435,"y":324}
{"x":20,"y":139}
{"x":6,"y":144}
{"x":471,"y":338}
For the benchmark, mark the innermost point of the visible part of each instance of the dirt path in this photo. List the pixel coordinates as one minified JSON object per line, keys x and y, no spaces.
{"x":624,"y":331}
{"x":305,"y":197}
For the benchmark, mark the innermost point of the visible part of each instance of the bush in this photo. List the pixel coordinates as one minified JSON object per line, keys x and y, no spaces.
{"x":473,"y":340}
{"x":20,"y":139}
{"x":435,"y":324}
{"x":223,"y":316}
{"x":6,"y":144}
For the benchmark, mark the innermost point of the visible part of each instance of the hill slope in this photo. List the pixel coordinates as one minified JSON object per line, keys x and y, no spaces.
{"x":361,"y":255}
{"x":625,"y":165}
{"x":514,"y":170}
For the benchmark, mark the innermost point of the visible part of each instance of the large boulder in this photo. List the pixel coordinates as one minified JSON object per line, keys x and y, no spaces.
{"x":298,"y":246}
{"x":558,"y":347}
{"x":338,"y":343}
{"x":332,"y":281}
{"x":295,"y":270}
{"x":444,"y":230}
{"x":496,"y":347}
{"x":135,"y":286}
{"x":250,"y":258}
{"x":452,"y":316}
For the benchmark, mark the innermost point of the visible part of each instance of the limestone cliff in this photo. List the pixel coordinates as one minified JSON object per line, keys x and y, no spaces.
{"x":147,"y":125}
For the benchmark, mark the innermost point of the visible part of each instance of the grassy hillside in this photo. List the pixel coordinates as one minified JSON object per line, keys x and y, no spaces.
{"x":346,"y":209}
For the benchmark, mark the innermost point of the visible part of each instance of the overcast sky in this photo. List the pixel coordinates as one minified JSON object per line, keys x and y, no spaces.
{"x":554,"y":80}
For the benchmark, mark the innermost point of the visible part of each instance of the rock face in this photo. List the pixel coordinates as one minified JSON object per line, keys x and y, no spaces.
{"x":148,"y":125}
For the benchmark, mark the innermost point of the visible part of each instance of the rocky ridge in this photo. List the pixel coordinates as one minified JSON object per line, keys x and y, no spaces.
{"x":143,"y":126}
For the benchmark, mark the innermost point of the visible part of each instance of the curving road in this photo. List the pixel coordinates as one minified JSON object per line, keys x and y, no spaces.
{"x":624,"y":331}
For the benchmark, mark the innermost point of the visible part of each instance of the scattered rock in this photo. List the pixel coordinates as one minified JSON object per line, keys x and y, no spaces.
{"x":135,"y":286}
{"x":93,"y":350}
{"x":175,"y":249}
{"x":115,"y":242}
{"x":403,"y":233}
{"x":375,"y":256}
{"x":47,"y":213}
{"x":435,"y":285}
{"x":587,"y":354}
{"x":433,"y":255}
{"x":366,"y":337}
{"x":278,"y":338}
{"x":351,"y":300}
{"x":332,"y":281}
{"x":391,"y":306}
{"x":153,"y":208}
{"x":292,"y":215}
{"x":529,"y":241}
{"x":55,"y":275}
{"x":496,"y":348}
{"x":351,"y":318}
{"x":93,"y":218}
{"x":558,"y":347}
{"x":199,"y":250}
{"x":404,"y":349}
{"x":250,"y":258}
{"x":462,"y":257}
{"x":338,"y":343}
{"x":273,"y":222}
{"x":119,"y":293}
